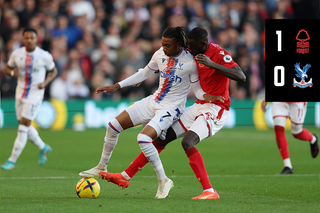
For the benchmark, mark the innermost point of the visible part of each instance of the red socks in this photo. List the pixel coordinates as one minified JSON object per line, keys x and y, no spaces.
{"x":141,"y":161}
{"x":305,"y":135}
{"x":281,"y":141}
{"x":197,"y":164}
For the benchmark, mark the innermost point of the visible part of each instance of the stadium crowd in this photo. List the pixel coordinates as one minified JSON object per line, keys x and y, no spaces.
{"x":99,"y":42}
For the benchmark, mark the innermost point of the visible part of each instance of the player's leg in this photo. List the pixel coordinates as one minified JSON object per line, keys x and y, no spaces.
{"x":114,"y":128}
{"x":33,"y":134}
{"x":145,"y":138}
{"x":34,"y":137}
{"x":203,"y":127}
{"x":140,"y":161}
{"x":196,"y":161}
{"x":297,"y":115}
{"x":22,"y":134}
{"x":280,"y":112}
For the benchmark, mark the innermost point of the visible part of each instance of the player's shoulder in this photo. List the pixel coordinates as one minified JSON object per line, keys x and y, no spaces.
{"x":18,"y":51}
{"x":159,"y":51}
{"x":216,"y":49}
{"x":43,"y":53}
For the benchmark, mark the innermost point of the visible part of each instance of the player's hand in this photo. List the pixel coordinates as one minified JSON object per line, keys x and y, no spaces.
{"x":264,"y":106}
{"x":108,"y":89}
{"x":15,"y":72}
{"x":41,"y":86}
{"x":203,"y":59}
{"x":211,"y":98}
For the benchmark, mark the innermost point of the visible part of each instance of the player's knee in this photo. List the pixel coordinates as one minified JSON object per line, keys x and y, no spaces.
{"x":296,"y":130}
{"x":189,"y":140}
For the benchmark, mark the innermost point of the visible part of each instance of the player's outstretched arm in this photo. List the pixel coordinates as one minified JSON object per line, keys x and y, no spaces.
{"x":108,"y":89}
{"x":234,"y":73}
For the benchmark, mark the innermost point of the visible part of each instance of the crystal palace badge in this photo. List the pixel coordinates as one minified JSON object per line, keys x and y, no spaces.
{"x":302,"y":74}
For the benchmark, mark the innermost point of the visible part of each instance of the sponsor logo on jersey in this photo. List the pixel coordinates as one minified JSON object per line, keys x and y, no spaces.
{"x":169,"y":75}
{"x":302,"y":74}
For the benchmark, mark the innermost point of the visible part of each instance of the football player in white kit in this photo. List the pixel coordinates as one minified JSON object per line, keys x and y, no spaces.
{"x":156,"y":112}
{"x":29,"y":64}
{"x":296,"y":111}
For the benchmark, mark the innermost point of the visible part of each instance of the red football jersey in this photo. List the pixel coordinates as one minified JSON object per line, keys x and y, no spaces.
{"x":213,"y":82}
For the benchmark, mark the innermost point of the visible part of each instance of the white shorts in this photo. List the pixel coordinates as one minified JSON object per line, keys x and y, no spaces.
{"x":148,"y":112}
{"x":203,"y":119}
{"x":28,"y":110}
{"x":295,"y":111}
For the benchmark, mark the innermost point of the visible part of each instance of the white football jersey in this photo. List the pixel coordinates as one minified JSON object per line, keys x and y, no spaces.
{"x":32,"y":71}
{"x":176,"y":75}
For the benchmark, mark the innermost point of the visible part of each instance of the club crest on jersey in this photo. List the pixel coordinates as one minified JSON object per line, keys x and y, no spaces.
{"x":180,"y":66}
{"x":163,"y":60}
{"x":227,"y":58}
{"x":302,"y":74}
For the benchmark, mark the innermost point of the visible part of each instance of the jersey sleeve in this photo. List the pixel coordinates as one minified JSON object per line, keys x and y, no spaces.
{"x":224,"y":58}
{"x":11,"y":62}
{"x":49,"y":61}
{"x":194,"y":76}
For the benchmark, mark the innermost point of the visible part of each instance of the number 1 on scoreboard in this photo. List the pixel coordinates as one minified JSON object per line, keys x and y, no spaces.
{"x":278,"y":32}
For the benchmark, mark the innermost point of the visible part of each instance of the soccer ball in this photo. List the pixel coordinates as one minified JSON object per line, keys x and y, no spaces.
{"x":88,"y":188}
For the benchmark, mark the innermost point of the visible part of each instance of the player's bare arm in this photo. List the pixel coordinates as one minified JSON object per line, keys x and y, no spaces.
{"x":108,"y":89}
{"x":234,"y":73}
{"x":264,"y":105}
{"x":11,"y":71}
{"x":51,"y":75}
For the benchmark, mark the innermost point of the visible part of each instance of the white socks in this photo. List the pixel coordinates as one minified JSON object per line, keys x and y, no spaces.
{"x":287,"y":163}
{"x":19,"y":143}
{"x":34,"y":137}
{"x":110,"y":141}
{"x":151,"y":153}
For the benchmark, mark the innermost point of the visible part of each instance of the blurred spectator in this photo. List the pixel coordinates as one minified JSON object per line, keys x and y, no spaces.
{"x":84,"y":60}
{"x":133,"y":56}
{"x":81,"y":7}
{"x":113,"y":39}
{"x":59,"y":87}
{"x":103,"y":50}
{"x":73,"y":33}
{"x":28,"y":12}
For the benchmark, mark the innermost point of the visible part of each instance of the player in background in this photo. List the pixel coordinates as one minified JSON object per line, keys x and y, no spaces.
{"x":296,"y":111}
{"x":201,"y":120}
{"x":156,"y":112}
{"x":29,"y":64}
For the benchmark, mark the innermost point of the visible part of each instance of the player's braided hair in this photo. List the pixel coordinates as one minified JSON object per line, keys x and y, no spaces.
{"x":197,"y":34}
{"x":176,"y":33}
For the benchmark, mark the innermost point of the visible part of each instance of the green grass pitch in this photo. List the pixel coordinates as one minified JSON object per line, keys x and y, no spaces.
{"x":242,"y":164}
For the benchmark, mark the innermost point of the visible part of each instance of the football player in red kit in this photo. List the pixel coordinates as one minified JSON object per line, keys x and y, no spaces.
{"x":296,"y":111}
{"x":202,"y":119}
